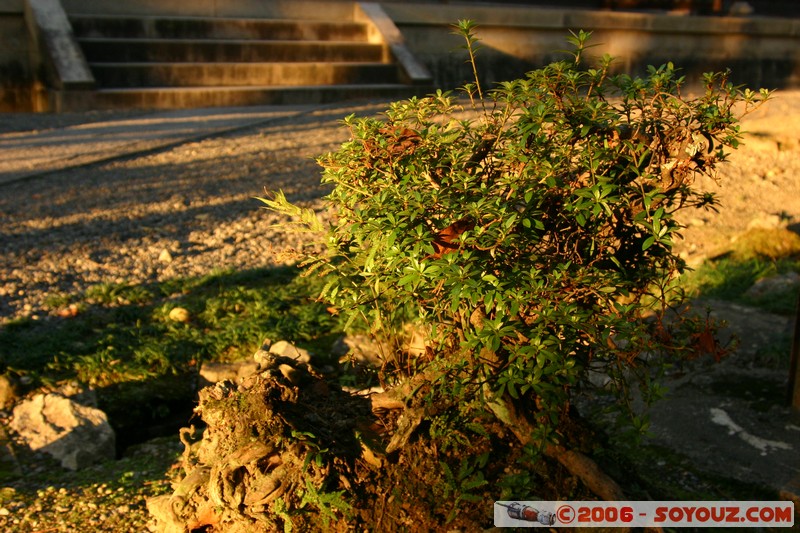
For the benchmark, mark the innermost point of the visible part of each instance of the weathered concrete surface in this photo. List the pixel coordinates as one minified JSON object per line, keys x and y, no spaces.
{"x":318,"y":10}
{"x":48,"y":23}
{"x":385,"y":31}
{"x":731,"y":418}
{"x":760,"y":51}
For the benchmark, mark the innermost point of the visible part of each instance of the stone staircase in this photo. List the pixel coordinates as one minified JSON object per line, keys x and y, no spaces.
{"x":164,"y":62}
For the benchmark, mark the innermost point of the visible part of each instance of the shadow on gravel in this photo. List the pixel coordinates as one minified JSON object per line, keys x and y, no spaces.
{"x":113,"y":233}
{"x":167,"y":187}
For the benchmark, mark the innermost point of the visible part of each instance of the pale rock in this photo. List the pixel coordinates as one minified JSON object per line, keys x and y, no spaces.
{"x":287,"y":349}
{"x":417,"y":342}
{"x":74,"y":434}
{"x":292,"y":374}
{"x":697,"y":222}
{"x":165,"y":257}
{"x":360,"y":348}
{"x":767,"y":222}
{"x":366,"y":350}
{"x":77,"y":393}
{"x":263,"y":357}
{"x":216,"y":372}
{"x":179,"y":314}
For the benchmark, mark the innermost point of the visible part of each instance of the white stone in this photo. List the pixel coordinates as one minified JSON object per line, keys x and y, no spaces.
{"x":741,"y":9}
{"x":287,"y":349}
{"x":74,"y":434}
{"x":263,"y":357}
{"x":165,"y":257}
{"x":360,"y":348}
{"x":180,"y":314}
{"x":216,"y":372}
{"x":767,"y":222}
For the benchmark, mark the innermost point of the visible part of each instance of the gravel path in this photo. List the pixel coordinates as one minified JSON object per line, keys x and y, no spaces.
{"x":190,"y":209}
{"x":183,"y":211}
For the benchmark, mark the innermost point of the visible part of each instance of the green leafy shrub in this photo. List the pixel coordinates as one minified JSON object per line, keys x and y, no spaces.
{"x":528,"y":234}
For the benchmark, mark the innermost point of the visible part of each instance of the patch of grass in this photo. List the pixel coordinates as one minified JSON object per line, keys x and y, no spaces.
{"x":768,"y":243}
{"x":730,"y":277}
{"x":120,"y":333}
{"x":110,"y":496}
{"x":777,"y":353}
{"x":756,"y":254}
{"x":117,"y":294}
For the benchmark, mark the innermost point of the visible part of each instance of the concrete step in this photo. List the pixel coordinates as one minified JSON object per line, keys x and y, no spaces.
{"x":98,"y":50}
{"x":179,"y":61}
{"x":324,"y":10}
{"x":196,"y":97}
{"x":241,"y":74}
{"x":86,"y":26}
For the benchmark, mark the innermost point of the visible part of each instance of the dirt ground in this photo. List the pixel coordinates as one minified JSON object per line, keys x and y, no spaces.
{"x":759,"y":187}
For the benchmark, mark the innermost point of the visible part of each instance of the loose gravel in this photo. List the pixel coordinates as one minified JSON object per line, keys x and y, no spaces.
{"x":179,"y":212}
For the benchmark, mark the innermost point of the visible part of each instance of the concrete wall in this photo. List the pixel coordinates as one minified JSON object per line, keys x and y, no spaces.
{"x":18,"y":90}
{"x":311,"y":9}
{"x":761,"y":52}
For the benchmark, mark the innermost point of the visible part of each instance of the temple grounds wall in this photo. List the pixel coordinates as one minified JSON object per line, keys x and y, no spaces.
{"x":18,"y":87}
{"x":761,"y":51}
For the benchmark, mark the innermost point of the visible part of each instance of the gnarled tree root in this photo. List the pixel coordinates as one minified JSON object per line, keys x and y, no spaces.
{"x":575,"y":462}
